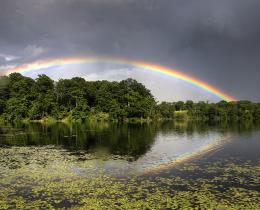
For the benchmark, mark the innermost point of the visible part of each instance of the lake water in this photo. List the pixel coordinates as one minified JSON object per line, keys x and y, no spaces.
{"x":124,"y":166}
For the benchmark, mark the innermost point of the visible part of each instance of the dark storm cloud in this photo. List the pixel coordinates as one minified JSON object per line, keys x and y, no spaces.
{"x":217,"y":41}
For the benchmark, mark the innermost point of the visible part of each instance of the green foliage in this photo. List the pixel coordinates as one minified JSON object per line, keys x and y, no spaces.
{"x":166,"y":110}
{"x":181,"y":115}
{"x":221,"y":111}
{"x":256,"y":113}
{"x":16,"y":109}
{"x":4,"y":92}
{"x":77,"y":99}
{"x":22,"y":98}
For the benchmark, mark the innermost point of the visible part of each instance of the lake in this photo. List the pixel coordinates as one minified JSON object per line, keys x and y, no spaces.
{"x":166,"y":165}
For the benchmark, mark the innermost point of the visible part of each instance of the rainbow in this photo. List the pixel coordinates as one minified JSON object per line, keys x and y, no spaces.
{"x":139,"y":64}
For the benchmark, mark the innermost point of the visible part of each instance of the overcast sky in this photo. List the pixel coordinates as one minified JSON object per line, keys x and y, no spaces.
{"x":216,"y":41}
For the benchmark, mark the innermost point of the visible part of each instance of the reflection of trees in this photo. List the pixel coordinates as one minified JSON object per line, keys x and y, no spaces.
{"x":121,"y":139}
{"x":201,"y":127}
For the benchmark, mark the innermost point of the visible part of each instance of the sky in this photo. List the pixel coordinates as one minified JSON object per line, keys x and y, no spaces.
{"x":215,"y":41}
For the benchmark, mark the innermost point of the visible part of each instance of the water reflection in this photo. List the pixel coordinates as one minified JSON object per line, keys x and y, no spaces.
{"x":121,"y":139}
{"x":120,"y":148}
{"x":125,"y":139}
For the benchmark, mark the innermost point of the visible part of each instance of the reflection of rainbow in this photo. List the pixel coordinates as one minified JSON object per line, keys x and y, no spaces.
{"x":205,"y":150}
{"x":140,"y":64}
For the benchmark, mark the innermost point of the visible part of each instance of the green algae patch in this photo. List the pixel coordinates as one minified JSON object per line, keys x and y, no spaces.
{"x":47,"y":178}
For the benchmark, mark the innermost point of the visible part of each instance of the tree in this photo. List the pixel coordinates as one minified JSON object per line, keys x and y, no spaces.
{"x":20,"y":86}
{"x":16,"y":109}
{"x":19,"y":97}
{"x":44,"y":103}
{"x":72,"y":97}
{"x":189,"y":105}
{"x":166,"y":110}
{"x":4,"y":92}
{"x":136,"y":99}
{"x":22,"y":97}
{"x":256,"y":114}
{"x":44,"y":84}
{"x":179,"y":106}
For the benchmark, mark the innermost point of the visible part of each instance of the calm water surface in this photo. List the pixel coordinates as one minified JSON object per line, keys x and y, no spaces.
{"x":40,"y":162}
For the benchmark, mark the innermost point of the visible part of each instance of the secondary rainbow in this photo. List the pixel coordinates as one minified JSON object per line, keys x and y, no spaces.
{"x":139,"y":64}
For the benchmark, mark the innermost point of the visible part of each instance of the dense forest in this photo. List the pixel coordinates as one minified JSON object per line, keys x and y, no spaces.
{"x":23,"y":98}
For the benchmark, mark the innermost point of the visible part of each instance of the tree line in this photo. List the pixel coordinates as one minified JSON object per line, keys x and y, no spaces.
{"x":77,"y":99}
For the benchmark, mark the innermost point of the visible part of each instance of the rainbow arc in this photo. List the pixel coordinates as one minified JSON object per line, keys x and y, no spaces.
{"x":139,"y":64}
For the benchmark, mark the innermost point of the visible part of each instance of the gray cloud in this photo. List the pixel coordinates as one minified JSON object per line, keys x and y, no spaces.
{"x":216,"y":41}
